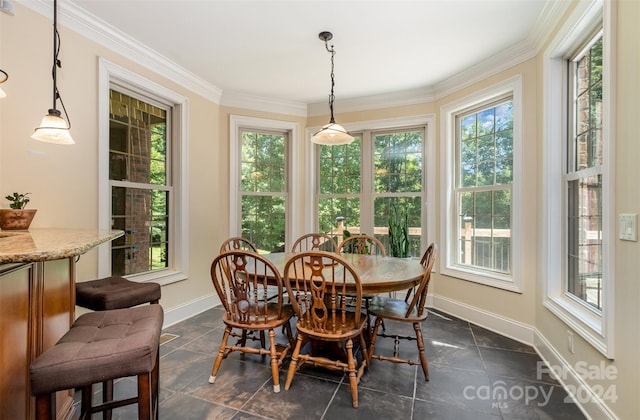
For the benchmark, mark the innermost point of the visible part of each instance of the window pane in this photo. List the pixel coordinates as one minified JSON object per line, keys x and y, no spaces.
{"x":143,"y":215}
{"x":340,"y":168}
{"x":333,"y":210}
{"x":588,"y":109}
{"x":398,"y":162}
{"x":485,"y":230}
{"x":263,"y":162}
{"x":411,"y":206}
{"x":585,"y":240}
{"x":137,"y":141}
{"x":486,"y":147}
{"x":263,"y":222}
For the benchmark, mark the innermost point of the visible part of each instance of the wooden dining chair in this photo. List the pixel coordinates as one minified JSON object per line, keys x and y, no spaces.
{"x":314,"y":281}
{"x":410,"y":310}
{"x":237,"y":242}
{"x":362,"y":244}
{"x":314,"y":241}
{"x":241,"y":280}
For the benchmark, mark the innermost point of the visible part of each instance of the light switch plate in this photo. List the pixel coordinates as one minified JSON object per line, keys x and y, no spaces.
{"x":628,"y":227}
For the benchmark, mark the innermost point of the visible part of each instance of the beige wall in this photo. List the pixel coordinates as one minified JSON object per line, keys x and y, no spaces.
{"x":64,"y":180}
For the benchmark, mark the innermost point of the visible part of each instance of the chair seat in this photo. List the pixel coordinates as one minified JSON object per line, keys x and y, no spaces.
{"x":352,"y":327}
{"x":271,"y":319}
{"x":100,"y":346}
{"x":115,"y":292}
{"x":395,"y":309}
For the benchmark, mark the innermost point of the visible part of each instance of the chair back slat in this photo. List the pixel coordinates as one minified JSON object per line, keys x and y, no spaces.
{"x":317,"y":283}
{"x":420,"y":296}
{"x":314,"y":242}
{"x":242,"y":280}
{"x":362,"y":244}
{"x":237,"y":242}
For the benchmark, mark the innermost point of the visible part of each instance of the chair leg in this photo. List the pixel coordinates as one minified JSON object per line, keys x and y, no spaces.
{"x":221,"y":355}
{"x":275,"y":365}
{"x":293,"y":365}
{"x":365,"y":352}
{"x":374,"y":337}
{"x":423,"y":356}
{"x":353,"y":380}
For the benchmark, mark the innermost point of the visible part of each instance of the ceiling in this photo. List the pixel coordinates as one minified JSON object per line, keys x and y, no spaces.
{"x":271,"y":49}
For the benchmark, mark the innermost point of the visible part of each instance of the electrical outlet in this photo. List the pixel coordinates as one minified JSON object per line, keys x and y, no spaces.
{"x":570,"y":341}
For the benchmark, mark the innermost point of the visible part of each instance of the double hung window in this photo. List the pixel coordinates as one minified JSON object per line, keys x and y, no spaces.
{"x":482,"y":186}
{"x":143,"y":177}
{"x":362,"y":184}
{"x":578,"y":193}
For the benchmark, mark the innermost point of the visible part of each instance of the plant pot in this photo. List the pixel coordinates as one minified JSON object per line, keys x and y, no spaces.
{"x":11,"y":219}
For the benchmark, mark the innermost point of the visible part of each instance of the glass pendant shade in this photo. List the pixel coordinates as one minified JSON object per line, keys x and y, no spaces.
{"x":2,"y":94}
{"x":53,"y":129}
{"x":332,"y":134}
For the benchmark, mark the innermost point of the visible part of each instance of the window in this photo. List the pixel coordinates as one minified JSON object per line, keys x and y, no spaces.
{"x":584,"y":175}
{"x":139,"y":175}
{"x":360,"y":185}
{"x":260,"y":198}
{"x":484,"y":141}
{"x":482,"y":175}
{"x":263,"y":188}
{"x":577,"y":190}
{"x":142,"y":181}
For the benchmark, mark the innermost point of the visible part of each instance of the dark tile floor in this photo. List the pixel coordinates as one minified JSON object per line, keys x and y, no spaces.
{"x":474,"y":374}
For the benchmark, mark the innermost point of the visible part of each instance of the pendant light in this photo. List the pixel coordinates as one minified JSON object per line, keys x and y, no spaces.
{"x":4,"y":76}
{"x":331,"y":134}
{"x":53,"y":128}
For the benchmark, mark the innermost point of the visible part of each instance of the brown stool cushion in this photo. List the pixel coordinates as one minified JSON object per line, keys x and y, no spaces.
{"x":100,"y":346}
{"x":114,"y":293}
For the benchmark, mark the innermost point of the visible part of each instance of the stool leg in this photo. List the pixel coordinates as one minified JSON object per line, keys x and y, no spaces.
{"x":86,"y":402}
{"x":107,"y":396}
{"x":144,"y":396}
{"x":45,"y":406}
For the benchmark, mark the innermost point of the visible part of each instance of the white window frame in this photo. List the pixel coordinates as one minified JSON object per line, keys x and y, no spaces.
{"x":236,"y":124}
{"x":110,"y":74}
{"x":367,"y":128}
{"x":596,"y":327}
{"x":448,"y":164}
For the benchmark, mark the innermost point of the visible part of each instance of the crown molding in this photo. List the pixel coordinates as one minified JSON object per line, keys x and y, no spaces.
{"x":75,"y":18}
{"x":550,"y":17}
{"x":385,"y":100}
{"x":259,"y":103}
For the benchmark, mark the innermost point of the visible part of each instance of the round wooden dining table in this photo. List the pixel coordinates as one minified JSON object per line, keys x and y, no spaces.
{"x":377,"y":274}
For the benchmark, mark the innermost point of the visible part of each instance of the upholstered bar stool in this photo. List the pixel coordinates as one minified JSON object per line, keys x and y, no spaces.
{"x":115,"y":292}
{"x":99,"y":346}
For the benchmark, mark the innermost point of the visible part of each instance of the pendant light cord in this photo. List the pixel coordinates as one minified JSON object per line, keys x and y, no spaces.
{"x":57,"y":63}
{"x":331,"y":96}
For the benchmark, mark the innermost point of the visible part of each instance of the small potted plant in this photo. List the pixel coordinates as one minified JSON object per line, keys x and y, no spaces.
{"x":16,"y":217}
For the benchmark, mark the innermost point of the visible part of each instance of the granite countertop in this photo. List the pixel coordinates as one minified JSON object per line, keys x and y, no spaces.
{"x":50,"y":244}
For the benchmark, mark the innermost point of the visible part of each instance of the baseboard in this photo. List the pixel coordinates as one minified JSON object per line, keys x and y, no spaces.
{"x":187,"y":310}
{"x":509,"y":328}
{"x":589,"y":402}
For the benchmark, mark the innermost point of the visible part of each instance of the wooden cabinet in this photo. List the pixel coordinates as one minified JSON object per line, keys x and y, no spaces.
{"x":37,"y":305}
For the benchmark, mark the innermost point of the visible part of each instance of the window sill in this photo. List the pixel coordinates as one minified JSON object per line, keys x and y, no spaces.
{"x":488,"y":279}
{"x":163,"y":277}
{"x":585,"y":322}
